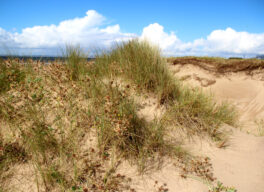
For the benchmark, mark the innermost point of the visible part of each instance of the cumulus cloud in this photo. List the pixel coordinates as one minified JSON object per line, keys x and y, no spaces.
{"x":226,"y":42}
{"x":155,"y":33}
{"x":91,"y":31}
{"x":87,"y":31}
{"x":231,"y":41}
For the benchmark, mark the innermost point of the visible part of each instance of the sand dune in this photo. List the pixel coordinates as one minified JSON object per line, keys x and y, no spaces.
{"x":237,"y":161}
{"x":241,"y":164}
{"x":245,"y":91}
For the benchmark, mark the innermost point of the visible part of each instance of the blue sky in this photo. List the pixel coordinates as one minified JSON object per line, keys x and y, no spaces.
{"x":183,"y":23}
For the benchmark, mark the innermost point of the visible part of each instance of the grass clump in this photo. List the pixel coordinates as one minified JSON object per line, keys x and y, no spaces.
{"x":142,"y":63}
{"x":75,"y":62}
{"x":120,"y":129}
{"x":11,"y":153}
{"x":221,"y":188}
{"x":38,"y":138}
{"x":260,"y":127}
{"x":197,"y":113}
{"x":10,"y":73}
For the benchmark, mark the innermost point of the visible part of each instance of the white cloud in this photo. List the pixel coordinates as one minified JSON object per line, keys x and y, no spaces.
{"x":155,"y":33}
{"x":90,"y":31}
{"x":219,"y":42}
{"x":232,"y":41}
{"x":86,"y":31}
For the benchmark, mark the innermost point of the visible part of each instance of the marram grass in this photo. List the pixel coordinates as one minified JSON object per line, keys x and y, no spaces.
{"x":49,"y":112}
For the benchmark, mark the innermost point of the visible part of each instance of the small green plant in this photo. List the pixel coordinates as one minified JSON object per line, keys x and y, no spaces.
{"x":221,"y":188}
{"x":260,"y":127}
{"x":53,"y":176}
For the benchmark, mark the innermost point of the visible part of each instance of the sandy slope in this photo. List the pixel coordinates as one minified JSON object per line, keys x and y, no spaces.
{"x":245,"y":91}
{"x":168,"y":177}
{"x":241,"y":164}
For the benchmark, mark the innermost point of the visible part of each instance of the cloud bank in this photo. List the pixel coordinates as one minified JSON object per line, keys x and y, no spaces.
{"x":218,"y":42}
{"x":91,"y":31}
{"x":45,"y":40}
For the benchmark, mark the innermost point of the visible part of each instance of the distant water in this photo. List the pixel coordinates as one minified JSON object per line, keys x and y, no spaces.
{"x":38,"y":58}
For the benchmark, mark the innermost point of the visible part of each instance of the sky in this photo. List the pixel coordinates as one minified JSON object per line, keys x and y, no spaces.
{"x":203,"y":28}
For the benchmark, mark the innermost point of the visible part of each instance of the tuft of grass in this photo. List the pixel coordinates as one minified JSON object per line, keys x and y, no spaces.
{"x":39,"y":139}
{"x":197,"y":112}
{"x":142,"y":63}
{"x":120,"y":129}
{"x":10,"y":73}
{"x":260,"y":127}
{"x":219,"y":187}
{"x":11,"y":153}
{"x":53,"y":177}
{"x":75,"y":62}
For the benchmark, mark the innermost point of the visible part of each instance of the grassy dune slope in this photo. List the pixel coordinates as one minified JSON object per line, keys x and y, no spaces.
{"x":68,"y":125}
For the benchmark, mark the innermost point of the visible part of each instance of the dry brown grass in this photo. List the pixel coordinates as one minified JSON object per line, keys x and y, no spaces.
{"x":69,"y":121}
{"x":44,"y":121}
{"x":220,"y":65}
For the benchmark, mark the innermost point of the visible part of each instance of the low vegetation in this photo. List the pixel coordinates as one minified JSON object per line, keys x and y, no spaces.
{"x":260,"y":127}
{"x":72,"y":123}
{"x":10,"y":74}
{"x":75,"y":62}
{"x":144,"y":66}
{"x":221,"y":188}
{"x":197,"y":113}
{"x":219,"y":64}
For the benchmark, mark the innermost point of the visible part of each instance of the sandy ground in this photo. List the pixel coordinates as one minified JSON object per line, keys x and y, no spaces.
{"x":241,"y":163}
{"x":245,"y":91}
